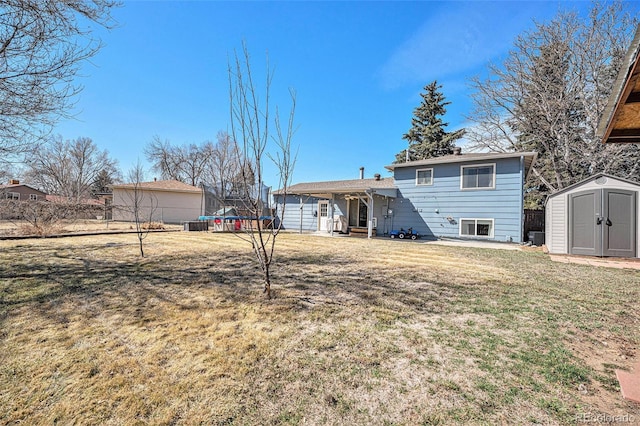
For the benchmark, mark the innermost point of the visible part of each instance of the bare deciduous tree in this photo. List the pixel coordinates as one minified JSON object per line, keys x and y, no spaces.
{"x":549,"y":94}
{"x":42,"y":45}
{"x":187,"y":163}
{"x":139,"y":204}
{"x":44,"y":217}
{"x":165,"y":158}
{"x":224,"y":164}
{"x":69,"y":168}
{"x":259,"y":137}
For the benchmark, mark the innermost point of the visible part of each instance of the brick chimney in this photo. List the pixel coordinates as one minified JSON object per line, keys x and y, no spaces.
{"x":14,"y":182}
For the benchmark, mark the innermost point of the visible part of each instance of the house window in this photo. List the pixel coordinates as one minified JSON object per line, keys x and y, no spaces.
{"x":13,"y":195}
{"x":324,"y":209}
{"x":424,"y":177}
{"x":482,"y":176}
{"x":476,"y":228}
{"x":33,"y":197}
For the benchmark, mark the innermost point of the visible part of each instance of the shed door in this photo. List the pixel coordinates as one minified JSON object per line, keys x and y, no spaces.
{"x":584,"y":235}
{"x":618,"y":227}
{"x":602,"y":223}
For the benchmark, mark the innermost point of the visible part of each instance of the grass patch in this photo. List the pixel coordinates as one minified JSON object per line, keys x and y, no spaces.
{"x":91,"y":333}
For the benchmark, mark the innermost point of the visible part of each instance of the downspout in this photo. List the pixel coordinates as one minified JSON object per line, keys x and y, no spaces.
{"x":387,"y":226}
{"x":301,"y":208}
{"x":522,"y":198}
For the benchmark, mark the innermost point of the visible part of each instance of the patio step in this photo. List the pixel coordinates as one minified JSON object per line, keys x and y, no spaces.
{"x":630,"y":383}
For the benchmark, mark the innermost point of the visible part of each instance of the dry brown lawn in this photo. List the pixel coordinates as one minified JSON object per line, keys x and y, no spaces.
{"x":359,"y":332}
{"x":21,"y":228}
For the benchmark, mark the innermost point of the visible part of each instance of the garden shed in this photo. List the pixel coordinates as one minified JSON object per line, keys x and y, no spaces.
{"x":595,"y":217}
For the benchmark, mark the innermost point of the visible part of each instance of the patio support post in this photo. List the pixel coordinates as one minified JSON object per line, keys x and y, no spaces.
{"x":370,"y":215}
{"x":333,"y":200}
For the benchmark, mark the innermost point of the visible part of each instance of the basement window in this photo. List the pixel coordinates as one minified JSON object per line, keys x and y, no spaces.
{"x":482,"y":228}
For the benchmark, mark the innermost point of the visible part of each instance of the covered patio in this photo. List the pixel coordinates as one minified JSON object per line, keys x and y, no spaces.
{"x":358,"y":206}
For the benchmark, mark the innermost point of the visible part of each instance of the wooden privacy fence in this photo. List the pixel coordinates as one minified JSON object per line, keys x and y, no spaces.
{"x":533,"y":221}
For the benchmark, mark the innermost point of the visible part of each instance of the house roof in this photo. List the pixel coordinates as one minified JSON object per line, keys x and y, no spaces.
{"x":529,"y":159}
{"x":340,"y":186}
{"x":17,"y":185}
{"x":620,"y":122}
{"x":161,"y":185}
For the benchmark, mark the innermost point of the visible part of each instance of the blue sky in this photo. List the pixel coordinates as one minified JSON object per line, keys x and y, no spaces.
{"x":357,"y":68}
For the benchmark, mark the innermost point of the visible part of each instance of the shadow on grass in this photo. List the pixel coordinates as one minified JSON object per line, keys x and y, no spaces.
{"x":95,"y":273}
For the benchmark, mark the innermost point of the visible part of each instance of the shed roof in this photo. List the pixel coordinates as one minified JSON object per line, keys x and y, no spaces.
{"x":620,"y":122}
{"x":161,"y":185}
{"x":529,"y":159}
{"x":589,"y":179}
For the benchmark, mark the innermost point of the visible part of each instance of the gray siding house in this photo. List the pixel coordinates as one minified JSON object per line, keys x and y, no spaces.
{"x":475,"y":195}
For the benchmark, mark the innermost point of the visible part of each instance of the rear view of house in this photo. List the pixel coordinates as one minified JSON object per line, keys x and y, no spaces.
{"x":476,"y":195}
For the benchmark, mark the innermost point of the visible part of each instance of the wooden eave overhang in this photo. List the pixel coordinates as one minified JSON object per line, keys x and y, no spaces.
{"x":620,"y":121}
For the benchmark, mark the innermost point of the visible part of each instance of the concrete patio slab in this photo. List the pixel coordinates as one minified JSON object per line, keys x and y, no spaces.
{"x":607,"y":262}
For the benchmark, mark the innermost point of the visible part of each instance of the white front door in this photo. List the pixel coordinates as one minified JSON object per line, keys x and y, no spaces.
{"x":323,"y":215}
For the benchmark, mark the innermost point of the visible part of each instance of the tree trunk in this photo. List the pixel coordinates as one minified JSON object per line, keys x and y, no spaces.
{"x":267,"y":282}
{"x":140,"y":241}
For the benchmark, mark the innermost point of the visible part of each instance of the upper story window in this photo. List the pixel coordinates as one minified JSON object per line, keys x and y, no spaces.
{"x":13,"y":195}
{"x":481,"y":176}
{"x":424,"y":177}
{"x":33,"y":197}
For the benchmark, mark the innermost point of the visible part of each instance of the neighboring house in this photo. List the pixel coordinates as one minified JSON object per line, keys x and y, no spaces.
{"x":17,"y":191}
{"x":595,"y":217}
{"x":475,"y":195}
{"x":167,"y":201}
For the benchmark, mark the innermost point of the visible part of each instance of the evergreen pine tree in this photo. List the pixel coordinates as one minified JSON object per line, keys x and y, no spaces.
{"x":427,"y":136}
{"x":102,"y":183}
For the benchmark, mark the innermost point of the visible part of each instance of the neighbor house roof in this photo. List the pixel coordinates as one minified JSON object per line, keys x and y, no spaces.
{"x":340,"y":186}
{"x":17,"y":185}
{"x":161,"y":185}
{"x":529,"y":159}
{"x":620,"y":122}
{"x":85,"y":201}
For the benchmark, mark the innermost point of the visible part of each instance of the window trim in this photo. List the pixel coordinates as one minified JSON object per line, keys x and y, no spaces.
{"x":12,"y":195}
{"x":476,"y":166}
{"x":476,"y":219}
{"x":430,"y":180}
{"x":33,"y":197}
